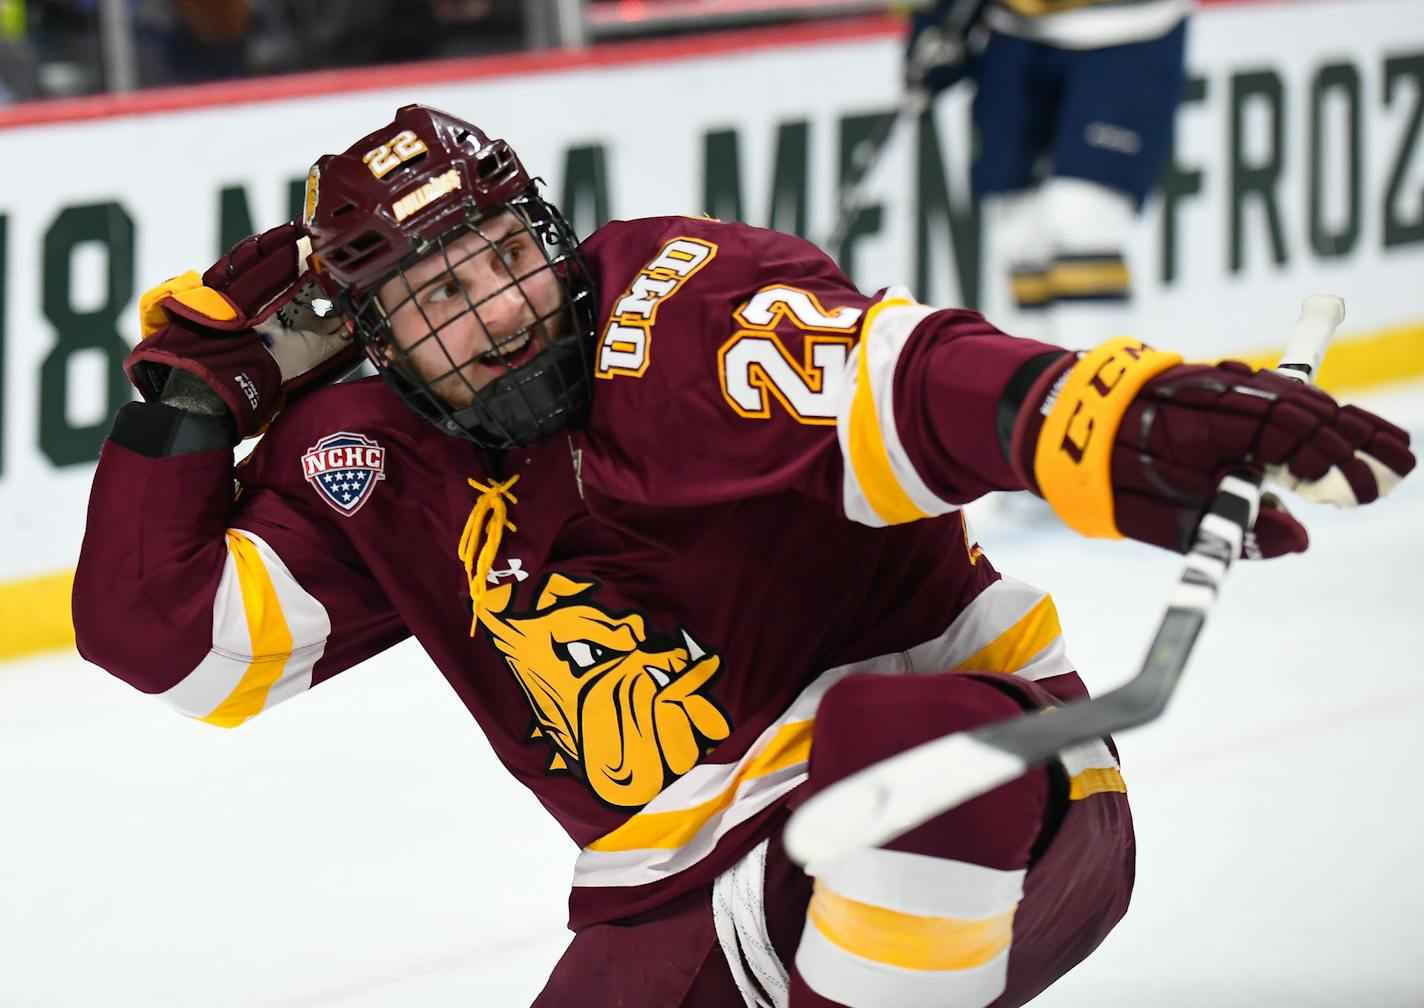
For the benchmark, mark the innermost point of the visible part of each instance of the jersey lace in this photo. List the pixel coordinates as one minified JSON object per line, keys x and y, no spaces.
{"x":479,"y":543}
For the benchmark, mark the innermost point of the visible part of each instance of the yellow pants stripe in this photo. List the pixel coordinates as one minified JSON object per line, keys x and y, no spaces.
{"x":907,"y":940}
{"x":1099,"y":780}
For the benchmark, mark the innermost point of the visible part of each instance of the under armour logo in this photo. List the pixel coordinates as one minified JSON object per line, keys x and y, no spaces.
{"x":515,"y":570}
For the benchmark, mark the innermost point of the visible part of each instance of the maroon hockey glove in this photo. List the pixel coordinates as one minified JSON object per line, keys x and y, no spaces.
{"x":246,"y":328}
{"x":1128,"y":441}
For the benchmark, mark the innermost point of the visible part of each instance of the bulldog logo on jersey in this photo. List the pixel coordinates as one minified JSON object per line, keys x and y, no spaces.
{"x":343,"y":468}
{"x":624,"y":708}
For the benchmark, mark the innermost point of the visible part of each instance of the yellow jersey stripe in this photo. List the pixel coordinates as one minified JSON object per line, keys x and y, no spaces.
{"x":906,"y":940}
{"x":672,"y":830}
{"x":868,"y":455}
{"x":271,"y":637}
{"x":1013,"y":648}
{"x":1099,"y":780}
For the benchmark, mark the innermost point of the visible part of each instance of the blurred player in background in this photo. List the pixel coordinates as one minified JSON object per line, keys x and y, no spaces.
{"x":1073,"y":117}
{"x":675,"y":510}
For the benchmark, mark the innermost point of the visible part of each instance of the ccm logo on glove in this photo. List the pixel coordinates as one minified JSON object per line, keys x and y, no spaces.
{"x":1073,"y":461}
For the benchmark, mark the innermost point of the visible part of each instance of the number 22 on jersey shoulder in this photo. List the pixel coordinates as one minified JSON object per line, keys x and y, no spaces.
{"x":755,"y":366}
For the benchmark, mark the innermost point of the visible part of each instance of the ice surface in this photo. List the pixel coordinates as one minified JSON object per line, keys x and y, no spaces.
{"x":359,"y":846}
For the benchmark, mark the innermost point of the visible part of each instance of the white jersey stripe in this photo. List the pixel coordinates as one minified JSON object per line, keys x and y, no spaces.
{"x":597,"y":868}
{"x":307,"y":619}
{"x":1051,"y":661}
{"x":997,"y":609}
{"x":876,"y":465}
{"x":199,"y":692}
{"x":884,"y":342}
{"x":268,"y":633}
{"x":854,"y":500}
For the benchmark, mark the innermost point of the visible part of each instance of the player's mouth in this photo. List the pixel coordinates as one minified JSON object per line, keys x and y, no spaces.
{"x":513,"y":352}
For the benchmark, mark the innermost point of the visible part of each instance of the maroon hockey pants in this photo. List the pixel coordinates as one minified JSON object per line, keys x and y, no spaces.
{"x":1078,"y":856}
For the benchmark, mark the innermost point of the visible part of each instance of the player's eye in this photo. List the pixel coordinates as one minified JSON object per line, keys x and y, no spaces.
{"x":512,"y":253}
{"x":442,"y":290}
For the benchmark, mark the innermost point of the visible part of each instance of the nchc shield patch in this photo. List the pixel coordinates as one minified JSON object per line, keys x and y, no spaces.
{"x":344,"y":468}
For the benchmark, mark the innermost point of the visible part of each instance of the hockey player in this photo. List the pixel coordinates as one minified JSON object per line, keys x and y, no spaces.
{"x":675,"y":511}
{"x":1073,"y":114}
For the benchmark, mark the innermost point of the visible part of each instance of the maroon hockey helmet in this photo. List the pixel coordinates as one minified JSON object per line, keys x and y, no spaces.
{"x":426,"y":185}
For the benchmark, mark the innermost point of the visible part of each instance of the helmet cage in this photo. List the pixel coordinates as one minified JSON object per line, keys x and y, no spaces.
{"x":546,"y":393}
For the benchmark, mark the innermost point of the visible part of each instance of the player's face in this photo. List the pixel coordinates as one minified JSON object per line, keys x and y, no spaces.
{"x":484,"y":304}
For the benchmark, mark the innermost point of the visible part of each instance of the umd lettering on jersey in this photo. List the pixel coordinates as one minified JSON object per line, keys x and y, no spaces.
{"x":343,"y":468}
{"x":626,"y":343}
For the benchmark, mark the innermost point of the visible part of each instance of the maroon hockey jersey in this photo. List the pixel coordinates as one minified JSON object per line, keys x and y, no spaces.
{"x":763,"y":501}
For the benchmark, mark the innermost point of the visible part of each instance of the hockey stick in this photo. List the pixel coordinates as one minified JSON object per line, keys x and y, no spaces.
{"x":934,"y":47}
{"x":877,"y":804}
